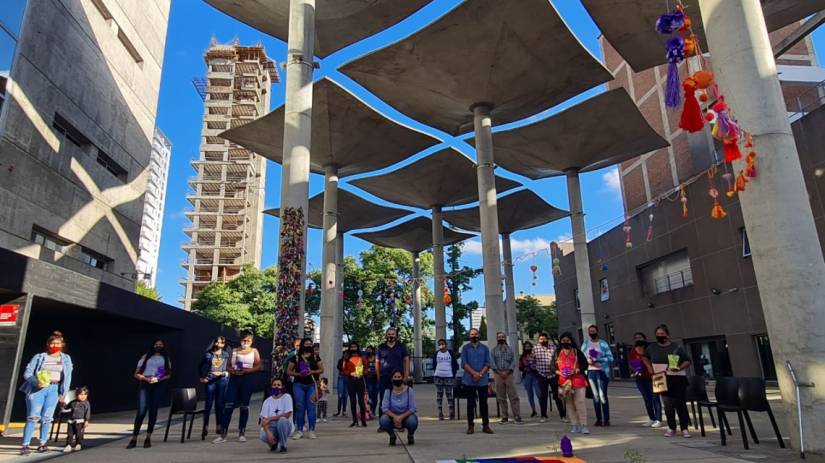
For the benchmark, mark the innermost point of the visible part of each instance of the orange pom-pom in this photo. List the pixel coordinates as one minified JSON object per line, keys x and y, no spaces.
{"x":709,"y":116}
{"x":703,"y":78}
{"x":741,"y":181}
{"x":717,"y":212}
{"x":703,"y":98}
{"x":690,"y":45}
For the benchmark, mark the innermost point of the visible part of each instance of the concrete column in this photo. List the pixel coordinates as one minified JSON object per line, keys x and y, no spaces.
{"x":297,"y":130}
{"x":338,"y":319}
{"x":574,"y":196}
{"x":329,"y":277}
{"x":510,"y":289}
{"x":416,"y":303}
{"x":438,"y":275}
{"x":785,"y":247}
{"x":488,"y":213}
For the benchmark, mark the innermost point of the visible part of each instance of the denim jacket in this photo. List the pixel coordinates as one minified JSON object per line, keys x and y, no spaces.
{"x":605,"y":357}
{"x":30,"y":374}
{"x":206,"y":363}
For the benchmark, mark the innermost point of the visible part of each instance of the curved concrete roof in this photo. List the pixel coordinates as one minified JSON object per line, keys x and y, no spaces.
{"x":414,"y":235}
{"x":446,"y":178}
{"x":518,"y":211}
{"x":517,"y":55}
{"x":629,"y":25}
{"x":354,"y":212}
{"x":346,"y":132}
{"x":338,"y":23}
{"x":604,"y":130}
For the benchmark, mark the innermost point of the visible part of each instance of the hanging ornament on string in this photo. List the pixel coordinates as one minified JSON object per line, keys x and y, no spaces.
{"x":554,"y":255}
{"x":533,"y":269}
{"x":447,"y":298}
{"x":691,"y":119}
{"x":741,"y":181}
{"x":628,"y":243}
{"x":726,"y":131}
{"x":684,"y":200}
{"x":668,"y":24}
{"x":750,"y":159}
{"x":716,"y":212}
{"x":731,"y":189}
{"x":649,"y":236}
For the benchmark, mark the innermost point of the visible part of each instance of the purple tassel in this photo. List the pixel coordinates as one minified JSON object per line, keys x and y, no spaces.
{"x":673,"y":95}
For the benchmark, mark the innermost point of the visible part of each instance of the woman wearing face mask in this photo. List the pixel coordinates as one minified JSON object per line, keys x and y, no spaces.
{"x":244,"y":364}
{"x":529,"y":378}
{"x":570,"y":368}
{"x":45,"y":381}
{"x":399,"y":409}
{"x":671,"y":359}
{"x":599,"y":357}
{"x":642,"y":370}
{"x":153,"y":371}
{"x":372,"y":379}
{"x":355,"y":365}
{"x":306,"y":368}
{"x":276,"y":417}
{"x":215,"y":378}
{"x":446,"y":366}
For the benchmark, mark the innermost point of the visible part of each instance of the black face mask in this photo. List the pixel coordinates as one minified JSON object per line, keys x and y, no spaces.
{"x":641,"y":343}
{"x":594,"y":336}
{"x":390,"y":338}
{"x":397,"y":382}
{"x":543,"y":343}
{"x":158,"y":350}
{"x":661,"y":339}
{"x":353,"y":352}
{"x":566,"y":345}
{"x":502,"y":341}
{"x":474,"y":339}
{"x":528,"y":349}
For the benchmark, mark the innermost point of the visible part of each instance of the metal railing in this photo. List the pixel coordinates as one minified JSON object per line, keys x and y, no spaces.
{"x":817,"y":96}
{"x":670,"y":282}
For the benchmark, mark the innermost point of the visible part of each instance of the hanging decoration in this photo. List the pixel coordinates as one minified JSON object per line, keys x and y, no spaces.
{"x":668,"y":24}
{"x":691,"y":120}
{"x":683,"y":199}
{"x":727,"y":131}
{"x":290,"y":284}
{"x":750,"y":159}
{"x":628,"y":243}
{"x":649,"y":236}
{"x":716,"y":212}
{"x":554,"y":254}
{"x":533,"y":269}
{"x":729,"y":179}
{"x":447,"y":298}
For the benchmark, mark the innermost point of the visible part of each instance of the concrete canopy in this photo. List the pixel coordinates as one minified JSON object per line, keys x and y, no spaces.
{"x":604,"y":130}
{"x":338,"y":23}
{"x":346,"y":133}
{"x":517,"y":56}
{"x":446,"y":178}
{"x":518,"y":211}
{"x":354,"y":212}
{"x":414,"y":235}
{"x":629,"y":25}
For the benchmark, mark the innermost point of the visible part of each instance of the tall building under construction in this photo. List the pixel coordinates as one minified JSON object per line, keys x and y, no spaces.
{"x":227,"y":192}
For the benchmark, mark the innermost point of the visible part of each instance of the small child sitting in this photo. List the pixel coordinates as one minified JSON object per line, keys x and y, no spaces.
{"x":80,"y":410}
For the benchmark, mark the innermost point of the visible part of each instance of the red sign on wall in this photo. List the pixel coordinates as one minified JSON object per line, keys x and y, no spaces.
{"x":8,"y":314}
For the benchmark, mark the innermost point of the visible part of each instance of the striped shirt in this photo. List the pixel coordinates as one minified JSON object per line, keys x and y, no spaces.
{"x":503,"y":358}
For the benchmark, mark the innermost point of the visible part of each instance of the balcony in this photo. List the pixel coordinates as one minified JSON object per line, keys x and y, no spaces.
{"x":670,"y":282}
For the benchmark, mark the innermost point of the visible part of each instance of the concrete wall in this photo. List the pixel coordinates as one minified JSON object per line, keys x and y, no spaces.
{"x":72,"y":60}
{"x":716,"y":261}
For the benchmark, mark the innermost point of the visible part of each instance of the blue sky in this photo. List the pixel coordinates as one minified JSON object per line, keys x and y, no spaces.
{"x":193,"y":23}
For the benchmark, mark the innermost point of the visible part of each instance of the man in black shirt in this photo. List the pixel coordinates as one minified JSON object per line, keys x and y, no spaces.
{"x":392,"y":355}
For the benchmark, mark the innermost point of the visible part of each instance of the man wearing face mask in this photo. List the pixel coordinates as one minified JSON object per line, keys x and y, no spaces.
{"x":543,"y":357}
{"x":599,"y":357}
{"x":504,"y":363}
{"x":475,"y":358}
{"x":391,"y":356}
{"x":642,"y":370}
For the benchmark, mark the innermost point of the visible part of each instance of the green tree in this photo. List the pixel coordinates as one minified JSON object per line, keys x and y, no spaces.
{"x":459,"y":282}
{"x":482,"y":329}
{"x":534,"y":318}
{"x":147,"y":291}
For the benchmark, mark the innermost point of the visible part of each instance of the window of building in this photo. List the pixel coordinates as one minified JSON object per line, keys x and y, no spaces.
{"x":746,"y":245}
{"x":49,"y":240}
{"x":69,"y":132}
{"x":94,"y":259}
{"x":113,"y":167}
{"x":666,"y":274}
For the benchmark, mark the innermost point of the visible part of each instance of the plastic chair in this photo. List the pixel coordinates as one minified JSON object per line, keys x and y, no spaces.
{"x":184,"y":402}
{"x":697,"y":394}
{"x":754,"y":398}
{"x":727,"y":400}
{"x":61,"y":413}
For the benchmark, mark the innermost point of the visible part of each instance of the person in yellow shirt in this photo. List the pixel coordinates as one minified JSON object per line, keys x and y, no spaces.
{"x":355,"y":367}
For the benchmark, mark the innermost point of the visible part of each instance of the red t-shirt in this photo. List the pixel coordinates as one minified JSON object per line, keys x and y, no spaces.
{"x":569,"y":363}
{"x":638,"y":369}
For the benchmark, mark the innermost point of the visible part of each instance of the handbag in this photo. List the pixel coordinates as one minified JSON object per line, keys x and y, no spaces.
{"x":659,"y":383}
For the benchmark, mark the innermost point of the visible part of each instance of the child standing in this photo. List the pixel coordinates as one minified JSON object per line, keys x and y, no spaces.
{"x":81,"y":410}
{"x":323,"y":399}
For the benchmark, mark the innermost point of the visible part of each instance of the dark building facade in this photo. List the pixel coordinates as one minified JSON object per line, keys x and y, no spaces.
{"x":695,"y":275}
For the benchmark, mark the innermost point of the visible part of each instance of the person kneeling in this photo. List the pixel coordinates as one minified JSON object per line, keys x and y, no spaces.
{"x":399,"y":409}
{"x":276,"y":414}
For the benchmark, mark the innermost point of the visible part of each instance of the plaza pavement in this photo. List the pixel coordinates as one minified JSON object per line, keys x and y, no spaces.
{"x":435,"y":440}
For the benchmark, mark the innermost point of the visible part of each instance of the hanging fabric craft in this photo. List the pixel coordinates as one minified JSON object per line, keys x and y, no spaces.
{"x":627,"y":229}
{"x":290,"y":284}
{"x":649,"y":236}
{"x":727,"y":131}
{"x":729,"y":179}
{"x":668,"y":24}
{"x":554,"y":254}
{"x":691,"y":120}
{"x":684,"y":200}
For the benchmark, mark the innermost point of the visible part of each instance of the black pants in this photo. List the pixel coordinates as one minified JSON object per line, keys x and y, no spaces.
{"x":356,"y":388}
{"x":550,"y":385}
{"x":477,"y":393}
{"x":674,"y":402}
{"x":74,"y":435}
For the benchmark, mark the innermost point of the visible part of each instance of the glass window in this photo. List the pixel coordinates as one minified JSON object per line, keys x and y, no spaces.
{"x":666,"y":274}
{"x":94,"y":259}
{"x":48,"y":241}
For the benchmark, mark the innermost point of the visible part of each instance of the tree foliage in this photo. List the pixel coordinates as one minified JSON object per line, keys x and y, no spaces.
{"x":459,"y":282}
{"x":534,"y":318}
{"x":147,"y":291}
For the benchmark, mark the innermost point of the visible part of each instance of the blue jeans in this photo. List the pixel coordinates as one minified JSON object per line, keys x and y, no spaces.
{"x":531,"y":384}
{"x":304,"y":407}
{"x":652,"y":404}
{"x":410,"y":423}
{"x":342,"y":394}
{"x":238,"y":394}
{"x":215,"y":394}
{"x":149,"y":397}
{"x":372,"y":391}
{"x":598,"y":383}
{"x":280,"y":429}
{"x":40,"y":408}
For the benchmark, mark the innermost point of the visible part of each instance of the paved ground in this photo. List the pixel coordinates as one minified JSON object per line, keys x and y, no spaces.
{"x":435,"y":440}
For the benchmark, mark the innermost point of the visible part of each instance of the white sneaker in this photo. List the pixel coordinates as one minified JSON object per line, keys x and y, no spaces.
{"x":647,"y":424}
{"x":565,"y":420}
{"x":584,"y":430}
{"x":219,"y":440}
{"x":574,"y":429}
{"x":67,"y":449}
{"x":77,"y":448}
{"x":324,"y":420}
{"x":656,"y":424}
{"x":297,"y":435}
{"x":686,"y":434}
{"x":312,"y":435}
{"x":543,"y":420}
{"x":242,"y":438}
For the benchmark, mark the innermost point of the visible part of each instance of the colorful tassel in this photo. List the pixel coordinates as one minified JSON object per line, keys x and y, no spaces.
{"x":649,"y":236}
{"x":684,"y":200}
{"x":729,"y":178}
{"x":717,"y":212}
{"x":741,"y":181}
{"x":750,"y":159}
{"x":731,"y":149}
{"x":628,"y":243}
{"x":675,"y":55}
{"x":691,"y":120}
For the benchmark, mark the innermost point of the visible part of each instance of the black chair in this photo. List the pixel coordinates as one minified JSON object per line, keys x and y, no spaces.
{"x":184,"y":402}
{"x":754,"y":398}
{"x":460,"y":392}
{"x":61,"y":414}
{"x":697,"y":395}
{"x":727,"y":400}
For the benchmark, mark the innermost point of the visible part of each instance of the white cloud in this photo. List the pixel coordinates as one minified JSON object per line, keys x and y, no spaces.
{"x":518,"y":247}
{"x":611,"y":181}
{"x":472,"y":247}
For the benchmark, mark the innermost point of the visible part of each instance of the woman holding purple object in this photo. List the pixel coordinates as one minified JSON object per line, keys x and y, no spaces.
{"x":599,"y":357}
{"x":642,"y":370}
{"x":306,"y":368}
{"x":569,"y":366}
{"x":527,"y":365}
{"x":215,"y":378}
{"x":153,"y":371}
{"x":244,"y":363}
